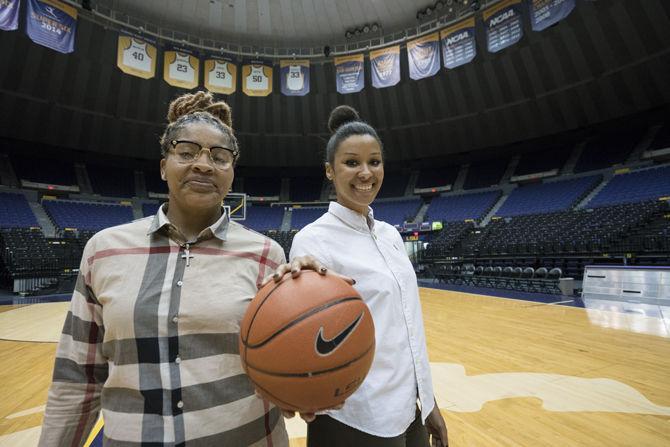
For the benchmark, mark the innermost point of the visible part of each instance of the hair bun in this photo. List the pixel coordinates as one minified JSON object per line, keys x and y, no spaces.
{"x":199,"y":102}
{"x":340,"y":116}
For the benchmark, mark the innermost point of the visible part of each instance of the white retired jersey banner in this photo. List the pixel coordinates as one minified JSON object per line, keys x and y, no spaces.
{"x":257,"y":78}
{"x":181,"y":68}
{"x":294,"y":75}
{"x":544,"y":13}
{"x":349,"y":74}
{"x":503,"y":25}
{"x":9,"y":14}
{"x":458,"y":43}
{"x":423,"y":55}
{"x":220,"y":75}
{"x":52,"y":23}
{"x":385,"y":66}
{"x":136,"y":56}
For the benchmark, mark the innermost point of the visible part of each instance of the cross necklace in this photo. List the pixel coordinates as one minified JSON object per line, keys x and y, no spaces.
{"x":187,"y":254}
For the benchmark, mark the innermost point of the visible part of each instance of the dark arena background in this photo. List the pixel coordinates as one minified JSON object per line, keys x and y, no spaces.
{"x":528,"y":174}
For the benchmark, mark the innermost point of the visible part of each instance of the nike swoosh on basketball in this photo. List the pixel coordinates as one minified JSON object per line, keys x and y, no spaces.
{"x":326,"y":347}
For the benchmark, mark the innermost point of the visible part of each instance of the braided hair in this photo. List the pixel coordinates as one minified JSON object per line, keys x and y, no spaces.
{"x":344,"y":122}
{"x":198,"y":107}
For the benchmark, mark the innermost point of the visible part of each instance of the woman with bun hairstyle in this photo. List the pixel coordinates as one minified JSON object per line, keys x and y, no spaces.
{"x":151,"y":338}
{"x":396,"y":399}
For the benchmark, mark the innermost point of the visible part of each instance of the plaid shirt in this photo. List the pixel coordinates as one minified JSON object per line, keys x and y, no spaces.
{"x":151,"y":339}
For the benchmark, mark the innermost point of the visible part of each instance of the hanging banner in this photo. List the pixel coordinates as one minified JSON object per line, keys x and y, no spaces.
{"x":181,"y":68}
{"x":220,"y":75}
{"x":257,"y":78}
{"x":349,"y":74}
{"x":503,"y":25}
{"x":544,"y":13}
{"x":136,"y":55}
{"x":294,"y":76}
{"x":458,"y":43}
{"x":9,"y":14}
{"x":385,"y":66}
{"x":423,"y":56}
{"x":52,"y":24}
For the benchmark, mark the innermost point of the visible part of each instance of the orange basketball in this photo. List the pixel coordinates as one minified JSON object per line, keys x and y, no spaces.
{"x":307,"y":343}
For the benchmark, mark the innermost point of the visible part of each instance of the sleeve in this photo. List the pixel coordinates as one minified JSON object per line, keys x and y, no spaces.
{"x":80,"y":369}
{"x":306,"y":243}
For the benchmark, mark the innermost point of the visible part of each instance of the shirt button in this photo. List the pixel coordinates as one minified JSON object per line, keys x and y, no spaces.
{"x":180,"y":404}
{"x":179,"y":283}
{"x":175,"y":319}
{"x":177,"y":360}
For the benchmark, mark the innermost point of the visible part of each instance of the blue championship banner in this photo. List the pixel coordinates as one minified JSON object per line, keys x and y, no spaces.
{"x":544,"y":13}
{"x":294,"y":76}
{"x":52,"y":24}
{"x":9,"y":14}
{"x":423,"y":55}
{"x":257,"y":78}
{"x":220,"y":75}
{"x":458,"y":43}
{"x":503,"y":25}
{"x":349,"y":74}
{"x":181,"y":68}
{"x":385,"y":66}
{"x":136,"y":55}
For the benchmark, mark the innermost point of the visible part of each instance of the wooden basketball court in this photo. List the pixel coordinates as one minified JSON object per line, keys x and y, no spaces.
{"x":506,"y":372}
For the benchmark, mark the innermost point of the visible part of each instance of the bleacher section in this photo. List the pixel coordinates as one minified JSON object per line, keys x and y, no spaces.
{"x":154,"y":182}
{"x":394,"y":186}
{"x":263,"y":218}
{"x":661,"y":139}
{"x":608,"y":149}
{"x":395,"y":213}
{"x":284,"y":238}
{"x":485,"y":174}
{"x":547,"y":197}
{"x":303,"y":216}
{"x":150,"y":209}
{"x":305,"y":189}
{"x":111,"y":182}
{"x":460,"y":207}
{"x":443,"y":244}
{"x":553,"y":157}
{"x":635,"y":186}
{"x":430,"y":178}
{"x":15,"y":211}
{"x":86,"y":216}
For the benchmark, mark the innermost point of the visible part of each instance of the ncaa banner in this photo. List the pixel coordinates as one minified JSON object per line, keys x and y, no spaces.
{"x":503,"y":25}
{"x":458,"y":44}
{"x":220,"y":75}
{"x":9,"y":14}
{"x":257,"y":78}
{"x":544,"y":13}
{"x":294,"y":76}
{"x":349,"y":74}
{"x":181,"y":68}
{"x":52,"y":24}
{"x":385,"y":67}
{"x":423,"y":55}
{"x":136,"y":55}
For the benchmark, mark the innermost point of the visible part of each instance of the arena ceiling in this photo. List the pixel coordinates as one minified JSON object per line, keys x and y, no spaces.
{"x":607,"y":60}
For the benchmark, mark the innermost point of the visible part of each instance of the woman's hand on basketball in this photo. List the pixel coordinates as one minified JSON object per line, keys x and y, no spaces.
{"x":437,"y":428}
{"x":301,"y":263}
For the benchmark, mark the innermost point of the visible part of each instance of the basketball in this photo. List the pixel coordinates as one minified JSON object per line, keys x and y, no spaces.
{"x":308,"y":342}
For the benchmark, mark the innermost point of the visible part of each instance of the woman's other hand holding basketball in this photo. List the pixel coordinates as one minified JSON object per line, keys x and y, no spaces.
{"x":303,"y":263}
{"x":307,"y":417}
{"x":437,"y":428}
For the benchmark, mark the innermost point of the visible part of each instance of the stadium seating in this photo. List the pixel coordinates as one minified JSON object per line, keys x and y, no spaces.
{"x":86,"y":216}
{"x":15,"y":211}
{"x":303,"y":216}
{"x":485,"y":174}
{"x":44,"y":170}
{"x":460,"y":207}
{"x":262,"y":186}
{"x":547,"y":197}
{"x":150,"y":209}
{"x":636,"y":186}
{"x":263,"y":218}
{"x":394,"y":186}
{"x":305,"y":189}
{"x":608,"y":149}
{"x":429,"y":178}
{"x":398,"y":212}
{"x":551,"y":157}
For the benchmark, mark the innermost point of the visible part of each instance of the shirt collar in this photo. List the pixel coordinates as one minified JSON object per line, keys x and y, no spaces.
{"x":218,"y":229}
{"x":352,"y":218}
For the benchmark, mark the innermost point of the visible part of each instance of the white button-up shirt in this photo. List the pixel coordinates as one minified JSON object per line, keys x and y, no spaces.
{"x":373,"y":253}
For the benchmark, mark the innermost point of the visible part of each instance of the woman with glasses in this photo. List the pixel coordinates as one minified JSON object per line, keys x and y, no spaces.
{"x":151,"y":335}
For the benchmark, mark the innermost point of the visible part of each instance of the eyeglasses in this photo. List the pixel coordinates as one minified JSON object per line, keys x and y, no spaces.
{"x":188,"y":152}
